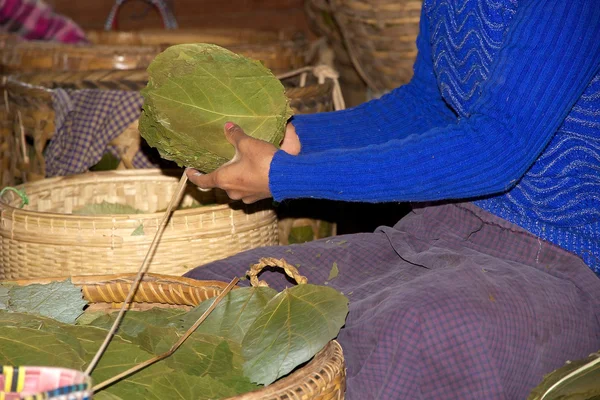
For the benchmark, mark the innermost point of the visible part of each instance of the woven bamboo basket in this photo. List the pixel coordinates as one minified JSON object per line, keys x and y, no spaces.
{"x":279,"y":51}
{"x":324,"y":377}
{"x":379,"y":36}
{"x":45,"y":239}
{"x":30,"y":102}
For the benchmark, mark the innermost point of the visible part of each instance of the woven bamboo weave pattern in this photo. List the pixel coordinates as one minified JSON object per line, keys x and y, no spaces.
{"x":379,"y":36}
{"x":127,"y":50}
{"x":323,"y":378}
{"x":44,"y":239}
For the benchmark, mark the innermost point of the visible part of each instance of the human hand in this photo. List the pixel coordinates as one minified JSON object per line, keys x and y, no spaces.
{"x":291,"y":141}
{"x":246,"y":176}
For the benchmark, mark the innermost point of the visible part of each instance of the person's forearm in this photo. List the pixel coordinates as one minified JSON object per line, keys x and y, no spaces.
{"x":410,"y":109}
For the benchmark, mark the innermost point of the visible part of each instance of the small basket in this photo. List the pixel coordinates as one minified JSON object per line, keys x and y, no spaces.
{"x":32,"y":383}
{"x":44,"y":239}
{"x":322,"y":378}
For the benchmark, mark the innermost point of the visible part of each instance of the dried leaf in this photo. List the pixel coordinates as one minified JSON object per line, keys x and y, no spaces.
{"x":194,"y":89}
{"x":61,"y":301}
{"x":294,"y":326}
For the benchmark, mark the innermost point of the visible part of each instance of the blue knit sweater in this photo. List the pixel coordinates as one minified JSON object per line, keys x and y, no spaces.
{"x":503,"y":110}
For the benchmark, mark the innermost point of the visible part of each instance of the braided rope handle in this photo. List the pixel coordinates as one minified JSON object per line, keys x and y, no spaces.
{"x":263,"y":263}
{"x":168,"y":19}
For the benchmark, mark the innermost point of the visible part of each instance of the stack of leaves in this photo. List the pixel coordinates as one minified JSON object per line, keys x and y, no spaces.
{"x":193,"y":89}
{"x":253,"y":337}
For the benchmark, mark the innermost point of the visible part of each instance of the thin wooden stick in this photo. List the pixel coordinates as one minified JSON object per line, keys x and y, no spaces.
{"x":182,"y":339}
{"x":174,"y":200}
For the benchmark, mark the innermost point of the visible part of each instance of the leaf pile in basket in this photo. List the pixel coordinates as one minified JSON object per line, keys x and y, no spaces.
{"x":193,"y":89}
{"x":108,"y":208}
{"x":253,"y":337}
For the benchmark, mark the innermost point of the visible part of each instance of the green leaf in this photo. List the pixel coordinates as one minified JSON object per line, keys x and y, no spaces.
{"x":210,"y":355}
{"x":139,"y":231}
{"x":4,"y":290}
{"x":194,"y":89}
{"x":295,"y":325}
{"x":178,"y":386}
{"x":135,"y":322}
{"x":333,"y":273}
{"x":61,"y":301}
{"x":106,"y":208}
{"x":232,"y":317}
{"x":26,"y":346}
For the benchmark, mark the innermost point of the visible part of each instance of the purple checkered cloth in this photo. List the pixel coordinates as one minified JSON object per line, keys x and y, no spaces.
{"x":86,"y":121}
{"x":35,"y":20}
{"x":450,"y":303}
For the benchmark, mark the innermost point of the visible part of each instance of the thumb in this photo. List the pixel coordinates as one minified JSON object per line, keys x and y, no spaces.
{"x":233,"y":133}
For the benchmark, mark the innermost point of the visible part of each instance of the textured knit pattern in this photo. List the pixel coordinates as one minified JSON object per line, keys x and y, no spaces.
{"x":451,"y":303}
{"x":504,"y":110}
{"x":35,"y":20}
{"x":86,"y":121}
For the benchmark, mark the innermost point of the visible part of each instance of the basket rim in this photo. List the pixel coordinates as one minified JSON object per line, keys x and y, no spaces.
{"x":146,"y":173}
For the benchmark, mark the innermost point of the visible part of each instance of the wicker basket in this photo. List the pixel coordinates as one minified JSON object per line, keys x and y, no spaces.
{"x":380,"y":36}
{"x":121,"y":51}
{"x":30,"y":101}
{"x":322,"y":378}
{"x":44,"y":239}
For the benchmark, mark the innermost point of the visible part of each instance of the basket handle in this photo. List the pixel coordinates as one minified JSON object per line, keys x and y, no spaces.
{"x":289,"y":269}
{"x":168,"y":19}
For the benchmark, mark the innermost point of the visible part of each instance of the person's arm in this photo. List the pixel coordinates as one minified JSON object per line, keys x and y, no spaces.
{"x":410,"y":109}
{"x":549,"y":56}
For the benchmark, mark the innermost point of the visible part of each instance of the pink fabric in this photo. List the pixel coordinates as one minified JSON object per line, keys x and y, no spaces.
{"x":35,"y":20}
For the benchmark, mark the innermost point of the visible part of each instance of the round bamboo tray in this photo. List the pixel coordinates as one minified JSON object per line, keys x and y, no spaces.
{"x":135,"y":50}
{"x":324,"y":377}
{"x":379,"y":36}
{"x":45,"y":239}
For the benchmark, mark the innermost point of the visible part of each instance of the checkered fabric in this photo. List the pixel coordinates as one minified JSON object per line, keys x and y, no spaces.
{"x":35,"y":20}
{"x":450,"y":303}
{"x":86,"y":121}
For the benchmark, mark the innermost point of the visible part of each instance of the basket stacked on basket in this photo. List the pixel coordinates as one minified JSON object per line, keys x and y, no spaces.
{"x":379,"y":37}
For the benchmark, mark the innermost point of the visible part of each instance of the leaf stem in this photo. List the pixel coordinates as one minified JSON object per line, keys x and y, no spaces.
{"x":134,"y":286}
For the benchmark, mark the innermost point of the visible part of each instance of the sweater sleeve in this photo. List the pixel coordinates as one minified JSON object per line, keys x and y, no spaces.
{"x":412,"y":108}
{"x":550,"y":54}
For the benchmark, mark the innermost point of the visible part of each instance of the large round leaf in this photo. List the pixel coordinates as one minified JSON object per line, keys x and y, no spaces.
{"x":194,"y":89}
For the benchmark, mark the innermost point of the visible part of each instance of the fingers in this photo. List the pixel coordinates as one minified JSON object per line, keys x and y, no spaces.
{"x":204,"y":182}
{"x":233,"y":133}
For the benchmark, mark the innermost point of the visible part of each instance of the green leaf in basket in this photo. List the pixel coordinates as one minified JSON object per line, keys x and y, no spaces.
{"x":182,"y":386}
{"x":61,"y":301}
{"x":294,"y":326}
{"x":136,"y":322}
{"x":139,"y":231}
{"x":4,"y":290}
{"x":232,"y":317}
{"x":27,"y":346}
{"x":193,"y":89}
{"x":106,"y":208}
